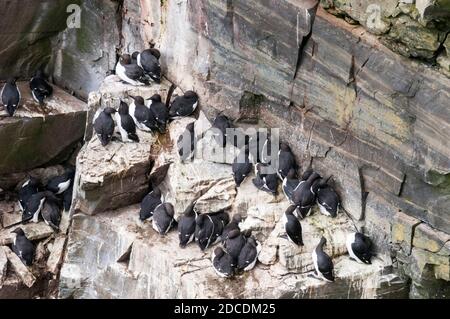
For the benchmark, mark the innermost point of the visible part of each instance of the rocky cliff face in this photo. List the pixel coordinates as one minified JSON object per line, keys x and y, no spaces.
{"x":360,"y":89}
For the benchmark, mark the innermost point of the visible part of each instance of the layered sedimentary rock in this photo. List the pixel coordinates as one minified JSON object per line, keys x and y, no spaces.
{"x":130,"y":260}
{"x":28,"y":30}
{"x":375,"y":120}
{"x":40,"y":135}
{"x":118,"y":174}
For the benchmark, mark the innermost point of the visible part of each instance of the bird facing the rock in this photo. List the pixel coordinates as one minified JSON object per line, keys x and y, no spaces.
{"x":40,"y":89}
{"x":186,"y":226}
{"x":322,"y":262}
{"x":30,"y":187}
{"x":359,"y":247}
{"x":149,"y":204}
{"x":104,"y":125}
{"x":10,"y":96}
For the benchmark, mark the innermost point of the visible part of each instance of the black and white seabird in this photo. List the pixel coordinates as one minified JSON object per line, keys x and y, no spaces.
{"x":10,"y":96}
{"x":290,"y":184}
{"x":159,"y":111}
{"x":33,"y":207}
{"x":328,"y":200}
{"x":260,"y":148}
{"x":304,"y":195}
{"x":241,"y":167}
{"x":322,"y":262}
{"x":267,"y":182}
{"x":249,"y":254}
{"x":148,"y":60}
{"x":220,"y":125}
{"x":286,"y":160}
{"x":186,"y":226}
{"x":129,"y":72}
{"x":184,"y":105}
{"x":163,"y":218}
{"x":67,"y":198}
{"x":23,"y":247}
{"x":40,"y":89}
{"x":104,"y":125}
{"x":186,"y":143}
{"x":51,"y":212}
{"x":126,"y":125}
{"x":223,"y":263}
{"x":59,"y":184}
{"x":234,"y":224}
{"x":141,"y":114}
{"x":149,"y":204}
{"x":28,"y":188}
{"x":359,"y":247}
{"x":209,"y":227}
{"x":292,"y":226}
{"x":234,"y":243}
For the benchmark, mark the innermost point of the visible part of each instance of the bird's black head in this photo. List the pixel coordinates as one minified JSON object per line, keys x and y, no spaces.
{"x":238,"y":179}
{"x":109,"y":110}
{"x":237,"y":218}
{"x":190,"y":127}
{"x":218,"y":252}
{"x":170,"y":211}
{"x":155,"y":98}
{"x":284,"y":147}
{"x":39,"y":73}
{"x":323,"y":241}
{"x":252,"y":241}
{"x":156,"y":192}
{"x":191,"y":95}
{"x":33,"y":181}
{"x":314,"y":176}
{"x":134,"y":55}
{"x":70,"y":172}
{"x":123,"y":108}
{"x":290,"y":210}
{"x":291,"y":173}
{"x":155,"y":52}
{"x":234,"y":233}
{"x":19,"y":231}
{"x":11,"y":80}
{"x":307,"y":173}
{"x":247,"y":233}
{"x":125,"y":59}
{"x":139,"y":100}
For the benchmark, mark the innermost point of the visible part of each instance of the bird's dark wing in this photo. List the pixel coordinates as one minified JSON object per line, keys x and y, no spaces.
{"x":134,"y":71}
{"x":294,"y":229}
{"x":128,"y":123}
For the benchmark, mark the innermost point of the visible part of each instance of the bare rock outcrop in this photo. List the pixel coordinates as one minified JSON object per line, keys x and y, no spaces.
{"x":38,"y":136}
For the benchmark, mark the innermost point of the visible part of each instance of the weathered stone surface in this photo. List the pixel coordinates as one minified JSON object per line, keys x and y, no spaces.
{"x":56,"y":254}
{"x":430,"y":239}
{"x":411,"y":28}
{"x":33,"y":231}
{"x":403,"y":228}
{"x":19,"y":268}
{"x":13,"y":181}
{"x":3,"y":266}
{"x":219,"y":197}
{"x":37,"y":136}
{"x":107,"y":236}
{"x":112,"y":176}
{"x":82,"y":56}
{"x":28,"y":33}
